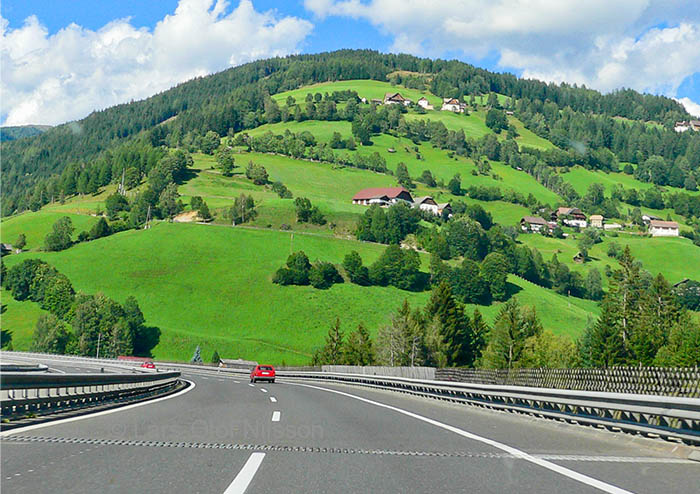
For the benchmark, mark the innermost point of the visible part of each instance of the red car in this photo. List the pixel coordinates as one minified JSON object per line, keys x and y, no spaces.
{"x":262,"y":373}
{"x":148,"y":365}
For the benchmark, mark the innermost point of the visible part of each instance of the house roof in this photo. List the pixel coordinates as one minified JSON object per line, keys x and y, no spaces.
{"x":663,"y":224}
{"x":423,"y":98}
{"x":444,"y":205}
{"x":450,"y":101}
{"x":421,"y":200}
{"x":390,"y":192}
{"x":565,"y":211}
{"x":534,"y":220}
{"x":596,"y":217}
{"x":393,"y":96}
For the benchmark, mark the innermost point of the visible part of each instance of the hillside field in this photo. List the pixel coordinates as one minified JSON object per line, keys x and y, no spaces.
{"x":211,"y":285}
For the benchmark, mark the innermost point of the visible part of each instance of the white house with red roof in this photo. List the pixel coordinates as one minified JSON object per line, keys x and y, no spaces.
{"x":453,"y":105}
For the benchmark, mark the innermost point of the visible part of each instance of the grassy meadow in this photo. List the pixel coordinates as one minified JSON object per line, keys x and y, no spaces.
{"x":211,"y":285}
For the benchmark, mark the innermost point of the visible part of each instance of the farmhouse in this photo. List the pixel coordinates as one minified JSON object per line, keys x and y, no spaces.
{"x":426,"y":203}
{"x":396,"y":99}
{"x":445,"y":208}
{"x":687,"y":125}
{"x":424,"y":103}
{"x":384,"y":196}
{"x":5,"y":249}
{"x":659,"y":228}
{"x":532,"y":224}
{"x":570,"y":217}
{"x":376,"y":101}
{"x":453,"y":105}
{"x":596,"y":221}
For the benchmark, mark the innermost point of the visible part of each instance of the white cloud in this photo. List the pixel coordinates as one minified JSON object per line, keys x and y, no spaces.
{"x":690,"y":106}
{"x":49,"y":79}
{"x":601,"y":43}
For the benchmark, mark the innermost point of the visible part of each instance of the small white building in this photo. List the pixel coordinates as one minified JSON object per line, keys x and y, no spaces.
{"x":596,"y":220}
{"x":612,"y":226}
{"x":453,"y":105}
{"x":427,"y":203}
{"x":424,"y":103}
{"x":659,"y":228}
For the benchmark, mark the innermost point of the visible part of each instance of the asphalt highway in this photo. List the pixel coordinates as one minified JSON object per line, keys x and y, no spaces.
{"x":224,"y":435}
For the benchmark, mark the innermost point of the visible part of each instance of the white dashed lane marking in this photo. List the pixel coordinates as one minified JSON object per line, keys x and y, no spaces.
{"x":276,"y":416}
{"x":273,"y":399}
{"x":263,"y":390}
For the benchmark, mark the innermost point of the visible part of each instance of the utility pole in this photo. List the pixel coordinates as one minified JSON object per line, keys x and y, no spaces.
{"x":99,"y":336}
{"x":148,"y":219}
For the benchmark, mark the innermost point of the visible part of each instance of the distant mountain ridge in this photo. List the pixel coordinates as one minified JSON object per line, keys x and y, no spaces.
{"x":12,"y":132}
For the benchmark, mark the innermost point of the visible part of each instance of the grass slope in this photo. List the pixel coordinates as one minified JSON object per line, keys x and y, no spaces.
{"x":365,"y":88}
{"x":211,"y":285}
{"x":20,"y":319}
{"x":35,"y":226}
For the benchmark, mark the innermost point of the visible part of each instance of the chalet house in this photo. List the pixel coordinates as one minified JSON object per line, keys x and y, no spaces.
{"x":376,"y":101}
{"x":687,"y":125}
{"x":570,"y":217}
{"x":533,"y":224}
{"x":596,"y":221}
{"x":424,"y":103}
{"x":5,"y":249}
{"x":453,"y":105}
{"x":384,"y":196}
{"x":659,"y":228}
{"x":426,"y":203}
{"x":445,"y":208}
{"x":396,"y":99}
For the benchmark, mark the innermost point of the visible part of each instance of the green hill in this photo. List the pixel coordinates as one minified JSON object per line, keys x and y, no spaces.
{"x":211,"y":285}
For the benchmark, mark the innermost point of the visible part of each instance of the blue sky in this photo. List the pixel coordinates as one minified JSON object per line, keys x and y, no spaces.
{"x":62,"y":59}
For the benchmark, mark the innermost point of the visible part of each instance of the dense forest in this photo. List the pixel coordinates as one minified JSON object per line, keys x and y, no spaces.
{"x":100,"y":148}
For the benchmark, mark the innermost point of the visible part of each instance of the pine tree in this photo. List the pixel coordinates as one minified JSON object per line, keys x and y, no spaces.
{"x":332,"y":352}
{"x":448,"y":319}
{"x":659,"y":312}
{"x":215,"y":359}
{"x":359,"y":349}
{"x":511,"y":330}
{"x":602,"y":344}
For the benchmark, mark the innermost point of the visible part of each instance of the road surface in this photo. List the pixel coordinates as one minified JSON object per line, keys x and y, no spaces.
{"x":226,"y":435}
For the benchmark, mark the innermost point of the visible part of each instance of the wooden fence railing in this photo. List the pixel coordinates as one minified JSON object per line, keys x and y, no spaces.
{"x":662,"y":381}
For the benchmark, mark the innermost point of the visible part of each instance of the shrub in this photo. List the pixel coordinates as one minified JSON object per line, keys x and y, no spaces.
{"x":323,"y":274}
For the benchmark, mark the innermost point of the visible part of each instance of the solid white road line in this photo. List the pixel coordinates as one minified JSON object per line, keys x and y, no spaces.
{"x":579,"y":477}
{"x":273,"y":399}
{"x":245,"y":476}
{"x":276,"y":416}
{"x":263,"y":390}
{"x":97,"y":414}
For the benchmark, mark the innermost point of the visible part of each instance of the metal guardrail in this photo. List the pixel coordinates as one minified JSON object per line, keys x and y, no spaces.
{"x":671,"y":418}
{"x":23,"y":394}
